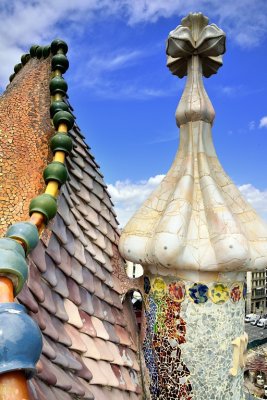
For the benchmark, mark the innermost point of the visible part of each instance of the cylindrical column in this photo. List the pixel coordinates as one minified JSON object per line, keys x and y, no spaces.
{"x":194,"y":340}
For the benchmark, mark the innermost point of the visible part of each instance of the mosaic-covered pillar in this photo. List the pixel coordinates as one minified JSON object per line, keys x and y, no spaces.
{"x":196,"y":237}
{"x":190,"y":327}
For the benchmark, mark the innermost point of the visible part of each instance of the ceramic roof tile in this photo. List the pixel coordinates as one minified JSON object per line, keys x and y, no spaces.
{"x":64,"y":337}
{"x":128,"y":380}
{"x":104,"y":350}
{"x":74,"y":291}
{"x":79,"y":252}
{"x":99,"y":271}
{"x":116,"y":353}
{"x":53,"y":249}
{"x":34,"y":282}
{"x":60,"y":394}
{"x":39,"y":390}
{"x":108,"y":247}
{"x":59,"y":229}
{"x":100,"y":329}
{"x":100,"y":240}
{"x":116,"y":299}
{"x":77,"y":342}
{"x":123,"y":335}
{"x":111,"y":332}
{"x":26,"y":298}
{"x":76,"y":271}
{"x":64,"y":210}
{"x":45,"y":372}
{"x":86,"y":304}
{"x":107,"y":295}
{"x":118,"y":373}
{"x":73,"y":313}
{"x":98,"y":377}
{"x":92,"y":350}
{"x":119,"y":317}
{"x":107,"y":371}
{"x":90,"y":262}
{"x":133,"y":357}
{"x":61,"y":286}
{"x":38,"y":318}
{"x":50,"y":328}
{"x":98,"y":310}
{"x":50,"y":273}
{"x":65,"y":264}
{"x":73,"y":227}
{"x":84,"y":372}
{"x":76,"y":306}
{"x":88,"y":327}
{"x":48,"y":349}
{"x":90,"y":214}
{"x":88,"y":393}
{"x":98,"y":392}
{"x":87,"y":181}
{"x":98,"y":290}
{"x":69,"y":246}
{"x":88,"y":280}
{"x":107,"y":311}
{"x":48,"y":302}
{"x":125,"y":356}
{"x":74,"y":184}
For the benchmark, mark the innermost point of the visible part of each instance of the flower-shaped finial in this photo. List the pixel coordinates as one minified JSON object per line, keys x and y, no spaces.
{"x":195,"y":37}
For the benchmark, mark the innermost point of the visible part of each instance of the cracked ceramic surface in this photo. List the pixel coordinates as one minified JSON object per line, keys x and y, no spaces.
{"x":196,"y":220}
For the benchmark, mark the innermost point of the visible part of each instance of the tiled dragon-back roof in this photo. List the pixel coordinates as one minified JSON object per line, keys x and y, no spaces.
{"x":72,"y":292}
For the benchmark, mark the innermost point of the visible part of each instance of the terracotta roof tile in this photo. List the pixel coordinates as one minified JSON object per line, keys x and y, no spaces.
{"x":74,"y":294}
{"x":61,"y":286}
{"x":64,"y":337}
{"x":38,"y":256}
{"x":88,"y":327}
{"x":76,"y":340}
{"x":50,"y":273}
{"x":100,"y":329}
{"x":92,"y":348}
{"x":73,"y":313}
{"x":84,"y":371}
{"x":104,"y":350}
{"x":53,"y":249}
{"x":74,"y":291}
{"x":26,"y":298}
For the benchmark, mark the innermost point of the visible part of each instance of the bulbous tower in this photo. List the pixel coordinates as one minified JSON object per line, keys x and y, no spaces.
{"x":195,"y":237}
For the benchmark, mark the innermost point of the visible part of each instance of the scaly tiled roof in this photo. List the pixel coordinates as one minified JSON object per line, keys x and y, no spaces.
{"x":72,"y":292}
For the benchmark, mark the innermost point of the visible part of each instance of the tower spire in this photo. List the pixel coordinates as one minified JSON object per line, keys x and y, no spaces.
{"x":195,"y":237}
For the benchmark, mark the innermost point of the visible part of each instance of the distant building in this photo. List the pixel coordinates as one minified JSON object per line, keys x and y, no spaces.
{"x":256,"y":292}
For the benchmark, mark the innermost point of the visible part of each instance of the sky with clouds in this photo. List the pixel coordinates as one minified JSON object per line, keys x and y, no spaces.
{"x":124,"y":97}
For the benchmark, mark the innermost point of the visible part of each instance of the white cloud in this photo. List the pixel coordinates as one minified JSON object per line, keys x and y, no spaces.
{"x":257,"y":198}
{"x":263,"y":122}
{"x":25,"y":22}
{"x":128,"y":196}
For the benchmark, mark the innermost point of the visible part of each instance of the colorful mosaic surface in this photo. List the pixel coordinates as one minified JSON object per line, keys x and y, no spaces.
{"x":169,"y":376}
{"x":188,"y":344}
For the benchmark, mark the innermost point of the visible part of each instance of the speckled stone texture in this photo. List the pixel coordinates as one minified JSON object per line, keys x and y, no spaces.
{"x":25,"y":129}
{"x":72,"y":292}
{"x":208,"y":352}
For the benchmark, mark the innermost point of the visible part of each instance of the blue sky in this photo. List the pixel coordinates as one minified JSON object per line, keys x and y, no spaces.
{"x":124,"y":97}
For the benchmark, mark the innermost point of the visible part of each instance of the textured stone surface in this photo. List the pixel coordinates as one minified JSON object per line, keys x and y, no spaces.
{"x":25,"y":129}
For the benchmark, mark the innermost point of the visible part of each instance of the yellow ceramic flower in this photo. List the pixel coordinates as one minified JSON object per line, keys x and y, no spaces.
{"x":219,"y":293}
{"x":158,"y":287}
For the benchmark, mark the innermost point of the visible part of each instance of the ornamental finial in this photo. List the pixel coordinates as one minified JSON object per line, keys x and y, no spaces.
{"x":195,"y":37}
